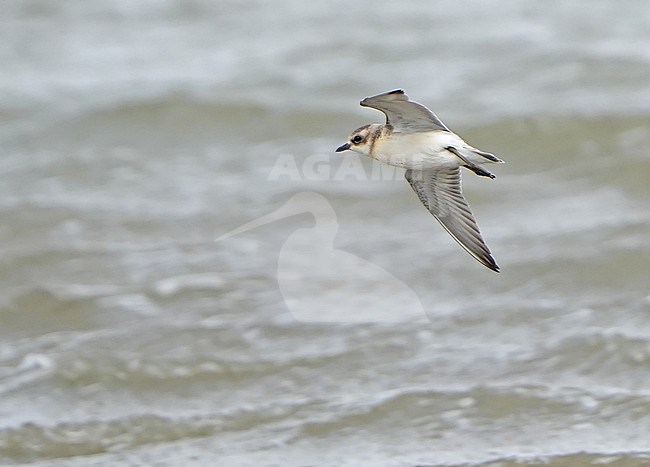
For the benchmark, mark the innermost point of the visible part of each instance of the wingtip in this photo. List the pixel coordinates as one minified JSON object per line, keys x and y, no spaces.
{"x":395,"y":92}
{"x":492,"y":265}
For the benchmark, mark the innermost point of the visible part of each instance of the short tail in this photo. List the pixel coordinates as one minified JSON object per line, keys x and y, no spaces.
{"x":489,"y":156}
{"x":469,"y":156}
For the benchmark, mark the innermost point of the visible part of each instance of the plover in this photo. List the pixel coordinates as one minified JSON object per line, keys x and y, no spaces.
{"x":414,"y":138}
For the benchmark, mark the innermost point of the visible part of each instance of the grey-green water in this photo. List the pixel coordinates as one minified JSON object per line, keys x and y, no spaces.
{"x":135,"y":133}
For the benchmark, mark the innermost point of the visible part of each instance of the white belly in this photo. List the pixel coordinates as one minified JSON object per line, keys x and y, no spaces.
{"x":418,"y":151}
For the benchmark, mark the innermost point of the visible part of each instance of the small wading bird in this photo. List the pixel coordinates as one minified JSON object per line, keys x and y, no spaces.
{"x":415,"y":139}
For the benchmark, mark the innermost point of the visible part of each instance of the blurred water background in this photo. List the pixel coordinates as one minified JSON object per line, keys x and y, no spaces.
{"x":132,"y":134}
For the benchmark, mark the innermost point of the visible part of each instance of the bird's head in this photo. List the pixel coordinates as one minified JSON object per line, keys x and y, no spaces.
{"x":362,"y":139}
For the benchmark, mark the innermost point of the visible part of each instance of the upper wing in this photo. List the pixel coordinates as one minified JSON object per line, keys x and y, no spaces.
{"x":440,"y":192}
{"x":403,"y":114}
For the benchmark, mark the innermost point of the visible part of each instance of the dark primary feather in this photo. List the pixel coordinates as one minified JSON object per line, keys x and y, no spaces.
{"x":440,"y":192}
{"x":403,"y":114}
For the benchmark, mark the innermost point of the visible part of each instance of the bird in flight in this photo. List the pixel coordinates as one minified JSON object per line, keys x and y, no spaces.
{"x":415,"y":139}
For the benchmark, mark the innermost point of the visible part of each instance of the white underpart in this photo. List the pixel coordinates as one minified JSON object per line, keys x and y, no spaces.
{"x":423,"y":150}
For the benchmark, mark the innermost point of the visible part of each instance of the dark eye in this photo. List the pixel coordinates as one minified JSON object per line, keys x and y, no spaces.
{"x":357,"y":139}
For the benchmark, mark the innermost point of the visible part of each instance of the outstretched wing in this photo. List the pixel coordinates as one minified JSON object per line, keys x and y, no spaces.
{"x":440,"y":192}
{"x":403,"y":114}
